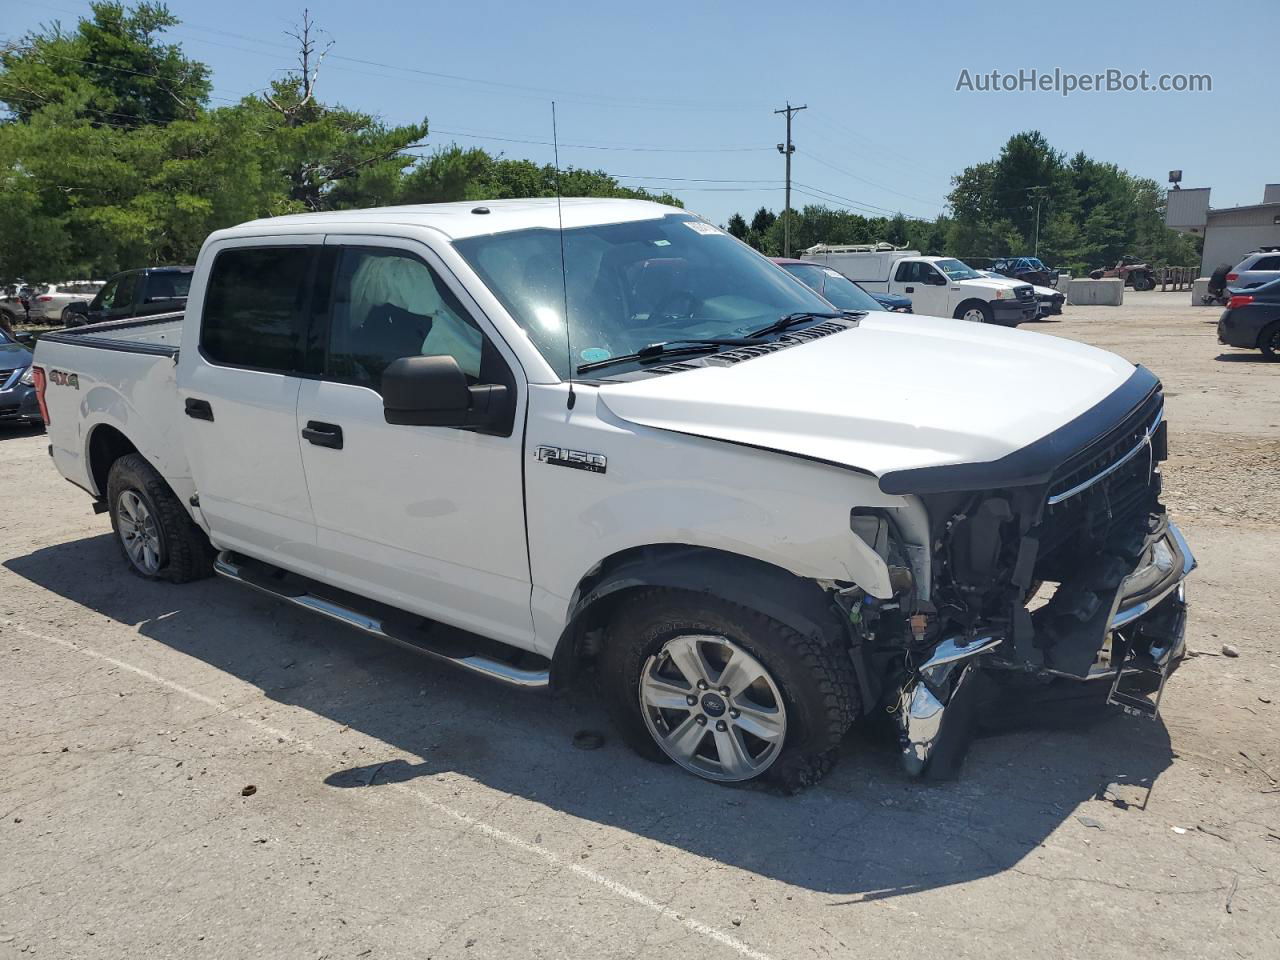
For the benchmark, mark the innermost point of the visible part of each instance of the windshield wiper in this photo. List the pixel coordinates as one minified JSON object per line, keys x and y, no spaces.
{"x":668,"y":347}
{"x":790,"y":320}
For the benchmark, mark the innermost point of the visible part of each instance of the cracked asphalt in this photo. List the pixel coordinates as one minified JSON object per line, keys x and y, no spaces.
{"x":400,"y":809}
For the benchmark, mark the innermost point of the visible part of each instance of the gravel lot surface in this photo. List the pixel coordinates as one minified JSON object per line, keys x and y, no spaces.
{"x":400,"y":809}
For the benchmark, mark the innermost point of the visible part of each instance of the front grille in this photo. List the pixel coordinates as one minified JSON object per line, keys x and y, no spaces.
{"x":1024,"y":293}
{"x":1104,"y":489}
{"x":1091,"y":465}
{"x":9,"y":411}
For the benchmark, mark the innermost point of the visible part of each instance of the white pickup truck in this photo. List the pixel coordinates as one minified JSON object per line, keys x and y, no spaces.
{"x":937,"y":286}
{"x":757,"y":518}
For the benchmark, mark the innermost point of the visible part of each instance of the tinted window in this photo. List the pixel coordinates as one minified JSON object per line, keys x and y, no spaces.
{"x":168,"y":285}
{"x":907,"y":272}
{"x":387,"y":305}
{"x":1267,"y":263}
{"x":254,"y":308}
{"x":121,"y":302}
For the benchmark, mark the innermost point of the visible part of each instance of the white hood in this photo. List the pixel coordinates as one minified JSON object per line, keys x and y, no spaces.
{"x":898,"y":391}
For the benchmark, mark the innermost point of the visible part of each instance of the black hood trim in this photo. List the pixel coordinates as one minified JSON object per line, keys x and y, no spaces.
{"x":1036,"y":462}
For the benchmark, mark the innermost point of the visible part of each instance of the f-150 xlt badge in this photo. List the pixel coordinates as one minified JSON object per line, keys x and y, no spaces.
{"x":577,"y":459}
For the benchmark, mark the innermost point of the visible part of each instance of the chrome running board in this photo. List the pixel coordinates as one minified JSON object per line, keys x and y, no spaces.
{"x":229,"y":566}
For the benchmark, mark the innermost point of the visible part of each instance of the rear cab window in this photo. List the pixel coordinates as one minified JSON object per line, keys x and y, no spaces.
{"x":255,"y":308}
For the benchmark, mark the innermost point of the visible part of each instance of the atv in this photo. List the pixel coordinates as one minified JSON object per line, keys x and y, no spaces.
{"x":1134,"y":272}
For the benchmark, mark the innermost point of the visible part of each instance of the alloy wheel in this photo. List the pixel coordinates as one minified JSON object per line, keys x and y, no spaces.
{"x":712,"y":707}
{"x":139,"y":532}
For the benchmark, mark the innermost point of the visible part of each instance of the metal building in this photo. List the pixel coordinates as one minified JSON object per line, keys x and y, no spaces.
{"x":1230,"y":232}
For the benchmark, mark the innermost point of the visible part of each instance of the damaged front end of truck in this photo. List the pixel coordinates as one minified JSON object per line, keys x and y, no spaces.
{"x":1057,"y":561}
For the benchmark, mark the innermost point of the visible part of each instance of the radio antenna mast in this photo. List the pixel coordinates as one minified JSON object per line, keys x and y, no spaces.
{"x":564,"y":276}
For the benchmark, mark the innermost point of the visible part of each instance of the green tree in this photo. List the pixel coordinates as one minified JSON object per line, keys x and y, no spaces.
{"x":112,"y":67}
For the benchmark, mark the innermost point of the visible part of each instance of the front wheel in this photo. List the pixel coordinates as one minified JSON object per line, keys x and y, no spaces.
{"x":724,"y":692}
{"x":157,"y":536}
{"x":975,"y":311}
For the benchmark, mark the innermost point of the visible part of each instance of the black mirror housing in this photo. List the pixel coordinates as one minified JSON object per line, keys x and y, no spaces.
{"x":433,"y":392}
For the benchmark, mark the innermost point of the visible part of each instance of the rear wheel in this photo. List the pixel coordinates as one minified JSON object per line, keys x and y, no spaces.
{"x":725,"y":692}
{"x":157,"y":536}
{"x":1269,"y":341}
{"x":975,"y":311}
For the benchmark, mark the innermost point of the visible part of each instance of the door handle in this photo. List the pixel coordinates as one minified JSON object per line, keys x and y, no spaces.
{"x":911,"y":289}
{"x":199,"y":409}
{"x":323,"y":434}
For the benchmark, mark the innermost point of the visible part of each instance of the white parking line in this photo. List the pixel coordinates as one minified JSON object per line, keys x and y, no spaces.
{"x":480,"y":826}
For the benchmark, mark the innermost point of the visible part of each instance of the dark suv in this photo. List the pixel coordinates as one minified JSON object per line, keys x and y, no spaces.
{"x":135,"y":293}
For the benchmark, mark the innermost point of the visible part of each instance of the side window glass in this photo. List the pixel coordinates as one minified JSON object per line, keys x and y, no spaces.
{"x":106,"y":296}
{"x":254,"y":308}
{"x":906,"y":272}
{"x":388,"y":305}
{"x":122,"y":302}
{"x":1267,"y":263}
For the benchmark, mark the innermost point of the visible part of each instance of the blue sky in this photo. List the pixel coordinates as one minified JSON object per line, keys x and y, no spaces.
{"x":684,"y":92}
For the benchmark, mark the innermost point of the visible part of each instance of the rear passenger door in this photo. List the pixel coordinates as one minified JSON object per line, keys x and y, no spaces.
{"x":238,"y":383}
{"x":427,"y":519}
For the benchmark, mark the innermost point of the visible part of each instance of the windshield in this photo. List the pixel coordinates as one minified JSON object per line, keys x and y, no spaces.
{"x":955,"y":270}
{"x":835,"y":287}
{"x":632,"y":284}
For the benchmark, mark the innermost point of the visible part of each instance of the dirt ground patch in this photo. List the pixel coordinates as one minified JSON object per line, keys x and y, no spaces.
{"x":403,"y":810}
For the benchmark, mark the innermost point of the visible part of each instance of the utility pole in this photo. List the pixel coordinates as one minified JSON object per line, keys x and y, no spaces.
{"x":787,"y":149}
{"x":1039,"y":192}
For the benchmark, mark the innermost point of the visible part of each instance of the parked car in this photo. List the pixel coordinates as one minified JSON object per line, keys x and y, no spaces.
{"x":54,"y":302}
{"x":937,"y":286}
{"x":13,"y":305}
{"x":1134,"y":272}
{"x":1261,"y":266}
{"x":18,"y":401}
{"x":1252,"y":319}
{"x":1048,"y":299}
{"x":134,"y":293}
{"x":833,"y":286}
{"x":1027,"y":269}
{"x":890,"y":302}
{"x":761,"y":519}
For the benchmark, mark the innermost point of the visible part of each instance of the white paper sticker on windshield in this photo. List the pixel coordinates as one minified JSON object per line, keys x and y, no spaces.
{"x":697,"y":226}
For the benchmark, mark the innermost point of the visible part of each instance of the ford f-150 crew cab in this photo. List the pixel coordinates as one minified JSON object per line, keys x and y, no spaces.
{"x":623,"y":439}
{"x":937,"y":286}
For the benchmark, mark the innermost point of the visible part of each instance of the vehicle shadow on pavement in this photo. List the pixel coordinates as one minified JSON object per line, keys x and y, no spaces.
{"x":1255,"y":357}
{"x":866,"y":832}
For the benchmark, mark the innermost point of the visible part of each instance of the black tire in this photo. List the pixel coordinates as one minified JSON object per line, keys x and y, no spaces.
{"x":1269,"y":341}
{"x":819,"y":690}
{"x":983,"y":308}
{"x":184,"y":550}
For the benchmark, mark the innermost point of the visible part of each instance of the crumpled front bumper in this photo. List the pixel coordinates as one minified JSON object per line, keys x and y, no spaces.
{"x":1142,"y":631}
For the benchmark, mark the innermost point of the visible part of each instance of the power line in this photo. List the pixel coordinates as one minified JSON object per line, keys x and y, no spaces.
{"x":870,"y":183}
{"x":592,"y":146}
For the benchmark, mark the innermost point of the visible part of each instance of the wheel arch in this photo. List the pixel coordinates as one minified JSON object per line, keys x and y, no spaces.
{"x":964,"y":305}
{"x":796,"y":602}
{"x":105,"y":445}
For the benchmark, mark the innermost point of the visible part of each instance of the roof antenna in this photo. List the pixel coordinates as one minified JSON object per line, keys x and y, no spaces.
{"x":564,"y":277}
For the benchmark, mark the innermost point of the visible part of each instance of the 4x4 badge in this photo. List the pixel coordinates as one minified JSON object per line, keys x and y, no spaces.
{"x":577,"y":459}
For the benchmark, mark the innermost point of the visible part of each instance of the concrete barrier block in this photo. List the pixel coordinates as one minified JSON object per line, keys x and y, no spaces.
{"x":1200,"y":290}
{"x":1106,"y":293}
{"x":1064,"y":282}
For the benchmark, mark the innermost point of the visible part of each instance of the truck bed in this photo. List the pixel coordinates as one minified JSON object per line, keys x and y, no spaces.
{"x":160,"y":334}
{"x":112,"y":382}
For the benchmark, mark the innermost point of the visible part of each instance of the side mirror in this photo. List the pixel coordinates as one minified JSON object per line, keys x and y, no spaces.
{"x":433,"y":392}
{"x":935,"y":279}
{"x":78,"y":306}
